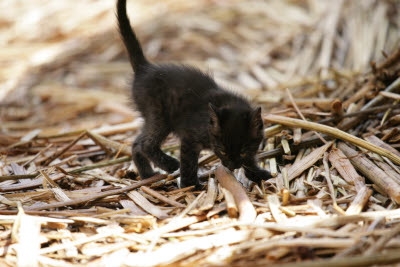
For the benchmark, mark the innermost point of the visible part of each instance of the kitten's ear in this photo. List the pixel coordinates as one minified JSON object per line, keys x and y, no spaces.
{"x":214,"y":121}
{"x":256,"y":122}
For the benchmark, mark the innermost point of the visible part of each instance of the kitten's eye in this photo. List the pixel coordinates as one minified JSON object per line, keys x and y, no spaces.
{"x":243,"y":155}
{"x":222,"y":153}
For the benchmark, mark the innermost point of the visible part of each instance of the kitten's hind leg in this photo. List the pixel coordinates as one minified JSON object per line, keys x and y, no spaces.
{"x":141,"y":162}
{"x":150,"y":143}
{"x":189,"y":163}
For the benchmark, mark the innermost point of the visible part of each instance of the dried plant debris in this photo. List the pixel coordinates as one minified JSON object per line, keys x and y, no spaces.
{"x":327,"y":74}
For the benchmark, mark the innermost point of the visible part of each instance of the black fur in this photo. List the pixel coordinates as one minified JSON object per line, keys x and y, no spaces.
{"x":188,"y":103}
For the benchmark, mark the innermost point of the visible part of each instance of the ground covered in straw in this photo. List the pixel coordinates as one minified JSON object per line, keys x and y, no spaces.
{"x":325,"y":72}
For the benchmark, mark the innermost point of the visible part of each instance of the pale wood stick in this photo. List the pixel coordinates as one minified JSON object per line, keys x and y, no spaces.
{"x":230,"y":203}
{"x":373,"y":172}
{"x":343,"y":166}
{"x":112,"y":144}
{"x":285,"y":196}
{"x":134,"y":209}
{"x":228,"y":181}
{"x":273,"y":130}
{"x":286,"y":211}
{"x":285,"y":180}
{"x":334,"y":132}
{"x":146,"y":205}
{"x":390,"y":95}
{"x":306,"y":162}
{"x":212,"y":192}
{"x":274,"y":205}
{"x":359,"y":201}
{"x":277,"y":253}
{"x":297,"y":136}
{"x":191,"y":206}
{"x":161,"y":197}
{"x":301,"y":114}
{"x":285,"y":145}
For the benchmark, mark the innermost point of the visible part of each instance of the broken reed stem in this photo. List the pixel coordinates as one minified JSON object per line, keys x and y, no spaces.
{"x":190,"y":206}
{"x":294,"y":148}
{"x":111,"y":144}
{"x":78,"y":170}
{"x":230,"y":203}
{"x":301,"y":114}
{"x":392,"y":87}
{"x":273,"y":130}
{"x":247,"y":213}
{"x":335,"y":133}
{"x":373,"y":172}
{"x":37,"y":155}
{"x":65,"y":149}
{"x":359,"y":202}
{"x":97,"y":142}
{"x":161,"y":197}
{"x":359,"y":113}
{"x":328,"y":178}
{"x":150,"y":180}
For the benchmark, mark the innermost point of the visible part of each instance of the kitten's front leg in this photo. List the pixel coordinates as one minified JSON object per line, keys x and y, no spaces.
{"x":189,"y":163}
{"x":255,"y":173}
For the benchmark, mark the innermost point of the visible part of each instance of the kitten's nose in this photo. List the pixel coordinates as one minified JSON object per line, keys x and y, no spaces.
{"x":237,"y":164}
{"x":233,"y":165}
{"x":229,"y":165}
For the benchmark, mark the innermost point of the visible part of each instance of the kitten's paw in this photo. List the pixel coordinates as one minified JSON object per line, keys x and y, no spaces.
{"x":131,"y":174}
{"x":257,"y":175}
{"x":171,"y":165}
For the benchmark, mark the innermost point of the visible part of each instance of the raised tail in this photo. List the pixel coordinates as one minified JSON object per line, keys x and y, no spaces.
{"x":131,"y":42}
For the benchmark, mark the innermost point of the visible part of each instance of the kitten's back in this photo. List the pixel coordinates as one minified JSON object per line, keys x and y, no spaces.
{"x":180,"y":92}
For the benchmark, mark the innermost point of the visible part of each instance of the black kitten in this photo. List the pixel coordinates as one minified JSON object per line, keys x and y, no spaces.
{"x":187,"y":102}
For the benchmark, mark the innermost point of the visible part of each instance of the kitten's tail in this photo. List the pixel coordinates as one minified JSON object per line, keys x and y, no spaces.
{"x":131,"y":42}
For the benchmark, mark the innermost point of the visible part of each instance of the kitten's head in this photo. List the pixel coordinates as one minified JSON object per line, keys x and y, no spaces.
{"x":235,"y":134}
